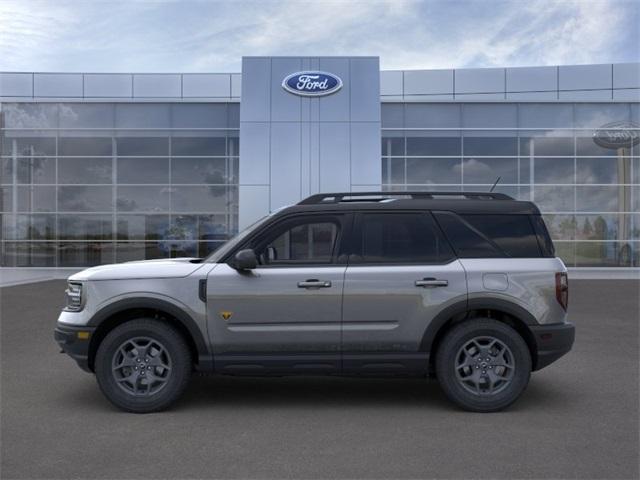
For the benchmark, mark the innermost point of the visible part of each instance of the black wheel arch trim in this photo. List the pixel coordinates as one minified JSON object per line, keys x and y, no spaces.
{"x":205,"y":359}
{"x":464,"y":306}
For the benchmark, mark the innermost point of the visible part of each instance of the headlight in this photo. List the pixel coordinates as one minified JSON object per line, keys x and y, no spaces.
{"x":74,"y":297}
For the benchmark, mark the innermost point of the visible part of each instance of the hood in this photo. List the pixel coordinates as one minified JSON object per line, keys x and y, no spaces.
{"x":163,"y":268}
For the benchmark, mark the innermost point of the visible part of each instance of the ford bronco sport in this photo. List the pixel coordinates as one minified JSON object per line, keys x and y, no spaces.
{"x":465,"y":286}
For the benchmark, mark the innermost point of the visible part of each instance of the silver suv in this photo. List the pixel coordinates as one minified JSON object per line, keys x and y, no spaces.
{"x":463,"y":286}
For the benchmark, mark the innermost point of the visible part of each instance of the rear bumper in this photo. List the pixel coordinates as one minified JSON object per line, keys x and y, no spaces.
{"x":77,"y":348}
{"x":552,"y":342}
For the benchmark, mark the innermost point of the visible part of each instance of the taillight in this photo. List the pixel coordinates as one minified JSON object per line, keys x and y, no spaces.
{"x":562,"y":289}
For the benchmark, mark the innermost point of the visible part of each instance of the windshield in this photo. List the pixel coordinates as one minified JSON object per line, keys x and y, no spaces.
{"x":218,"y":254}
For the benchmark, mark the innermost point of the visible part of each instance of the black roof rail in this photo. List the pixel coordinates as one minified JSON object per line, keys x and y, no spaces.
{"x":324,"y":198}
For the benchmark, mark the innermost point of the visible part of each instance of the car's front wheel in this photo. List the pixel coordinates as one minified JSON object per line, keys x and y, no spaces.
{"x":483,"y":365}
{"x":143,"y":365}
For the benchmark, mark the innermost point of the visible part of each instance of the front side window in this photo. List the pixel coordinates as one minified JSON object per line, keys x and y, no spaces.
{"x":300,"y":242}
{"x":401,"y":238}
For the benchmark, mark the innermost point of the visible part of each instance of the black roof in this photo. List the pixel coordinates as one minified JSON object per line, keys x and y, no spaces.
{"x":458,"y":202}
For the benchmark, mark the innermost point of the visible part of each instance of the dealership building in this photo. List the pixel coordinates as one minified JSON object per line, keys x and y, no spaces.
{"x":100,"y":168}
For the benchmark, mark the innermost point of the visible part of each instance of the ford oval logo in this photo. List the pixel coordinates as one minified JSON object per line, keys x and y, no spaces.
{"x":617,"y":135}
{"x":312,"y":84}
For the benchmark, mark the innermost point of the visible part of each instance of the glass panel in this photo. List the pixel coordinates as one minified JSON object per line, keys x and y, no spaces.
{"x":29,"y":254}
{"x":85,"y":227}
{"x":29,"y":227}
{"x":487,"y":170}
{"x":487,"y":115}
{"x":142,"y":146}
{"x":398,"y":167}
{"x":6,"y":171}
{"x":490,"y":146}
{"x":142,"y":115}
{"x":203,"y":199}
{"x":142,"y":227}
{"x":603,"y":170}
{"x":199,"y":115}
{"x":233,"y":115}
{"x":28,"y":146}
{"x":143,"y":170}
{"x":200,"y":146}
{"x":143,"y":199}
{"x":567,"y":252}
{"x":587,"y":147}
{"x":598,"y":199}
{"x":131,"y":251}
{"x":554,"y":170}
{"x":36,"y":170}
{"x":554,"y":199}
{"x":392,"y":146}
{"x":434,"y":170}
{"x":30,"y":115}
{"x":80,"y":254}
{"x":199,"y":170}
{"x":392,"y":115}
{"x":513,"y":234}
{"x":81,"y":146}
{"x":6,"y":199}
{"x":603,"y":226}
{"x":434,"y":146}
{"x":213,"y":228}
{"x":85,"y":170}
{"x":86,"y":115}
{"x":606,"y":254}
{"x":432,"y":115}
{"x":598,"y":114}
{"x":36,"y":199}
{"x":561,"y":227}
{"x":542,"y":146}
{"x":542,"y":115}
{"x":85,"y":199}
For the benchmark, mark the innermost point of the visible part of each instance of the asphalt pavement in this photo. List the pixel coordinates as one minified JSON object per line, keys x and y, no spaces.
{"x":578,"y":418}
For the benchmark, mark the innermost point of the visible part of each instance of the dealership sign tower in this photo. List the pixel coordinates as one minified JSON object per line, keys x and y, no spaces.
{"x":307,"y":125}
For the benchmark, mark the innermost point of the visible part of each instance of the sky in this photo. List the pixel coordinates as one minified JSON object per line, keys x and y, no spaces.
{"x":212,"y":36}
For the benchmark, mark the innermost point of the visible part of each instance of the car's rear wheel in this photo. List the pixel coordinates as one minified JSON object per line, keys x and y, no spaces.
{"x":143,"y":365}
{"x":483,"y":365}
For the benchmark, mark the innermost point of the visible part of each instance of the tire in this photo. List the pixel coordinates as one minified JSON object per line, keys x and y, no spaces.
{"x":143,"y":365}
{"x":483,"y":382}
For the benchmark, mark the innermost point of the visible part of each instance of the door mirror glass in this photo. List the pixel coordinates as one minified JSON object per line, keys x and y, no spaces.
{"x":245,"y":260}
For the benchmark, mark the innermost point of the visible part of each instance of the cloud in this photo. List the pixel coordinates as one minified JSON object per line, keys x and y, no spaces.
{"x":201,"y":36}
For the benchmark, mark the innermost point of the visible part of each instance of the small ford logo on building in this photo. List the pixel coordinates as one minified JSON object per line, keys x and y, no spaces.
{"x":617,"y":135}
{"x":312,"y":84}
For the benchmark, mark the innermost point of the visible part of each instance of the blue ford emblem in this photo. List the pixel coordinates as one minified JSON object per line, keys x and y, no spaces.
{"x":312,"y":84}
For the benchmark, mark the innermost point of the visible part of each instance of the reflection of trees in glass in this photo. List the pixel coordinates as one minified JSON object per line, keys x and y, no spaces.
{"x":600,"y":227}
{"x":567,"y":227}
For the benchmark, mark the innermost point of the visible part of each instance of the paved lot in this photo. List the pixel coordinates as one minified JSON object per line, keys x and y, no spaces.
{"x":578,"y":418}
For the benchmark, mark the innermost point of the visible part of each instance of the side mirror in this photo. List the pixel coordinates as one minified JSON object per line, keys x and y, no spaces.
{"x":245,"y":260}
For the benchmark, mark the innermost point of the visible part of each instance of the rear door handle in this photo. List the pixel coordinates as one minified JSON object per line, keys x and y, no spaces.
{"x":313,"y":283}
{"x":431,"y":283}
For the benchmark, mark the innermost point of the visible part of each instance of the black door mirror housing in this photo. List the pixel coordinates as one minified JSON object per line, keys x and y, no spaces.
{"x":245,"y":260}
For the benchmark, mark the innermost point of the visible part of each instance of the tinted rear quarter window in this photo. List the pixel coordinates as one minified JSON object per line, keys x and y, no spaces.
{"x":490,"y":235}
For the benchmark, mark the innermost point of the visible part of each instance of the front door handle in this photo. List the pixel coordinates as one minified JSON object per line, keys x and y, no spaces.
{"x":431,"y":283}
{"x":314,"y":283}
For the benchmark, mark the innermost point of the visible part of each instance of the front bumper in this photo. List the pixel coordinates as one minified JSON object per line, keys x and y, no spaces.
{"x":552,"y":342}
{"x":75,"y":341}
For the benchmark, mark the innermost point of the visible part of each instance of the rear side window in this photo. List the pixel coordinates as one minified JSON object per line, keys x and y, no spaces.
{"x":489,"y":236}
{"x":544,"y":239}
{"x":401,"y":238}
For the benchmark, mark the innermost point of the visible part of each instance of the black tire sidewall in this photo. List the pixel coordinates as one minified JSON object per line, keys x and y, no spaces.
{"x":446,"y":357}
{"x":179,"y":376}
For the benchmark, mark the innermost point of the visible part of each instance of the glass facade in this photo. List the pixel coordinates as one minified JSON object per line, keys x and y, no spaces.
{"x":92,"y":183}
{"x":589,"y":194}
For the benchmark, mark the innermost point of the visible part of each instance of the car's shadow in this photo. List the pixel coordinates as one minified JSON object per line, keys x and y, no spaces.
{"x":318,"y":392}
